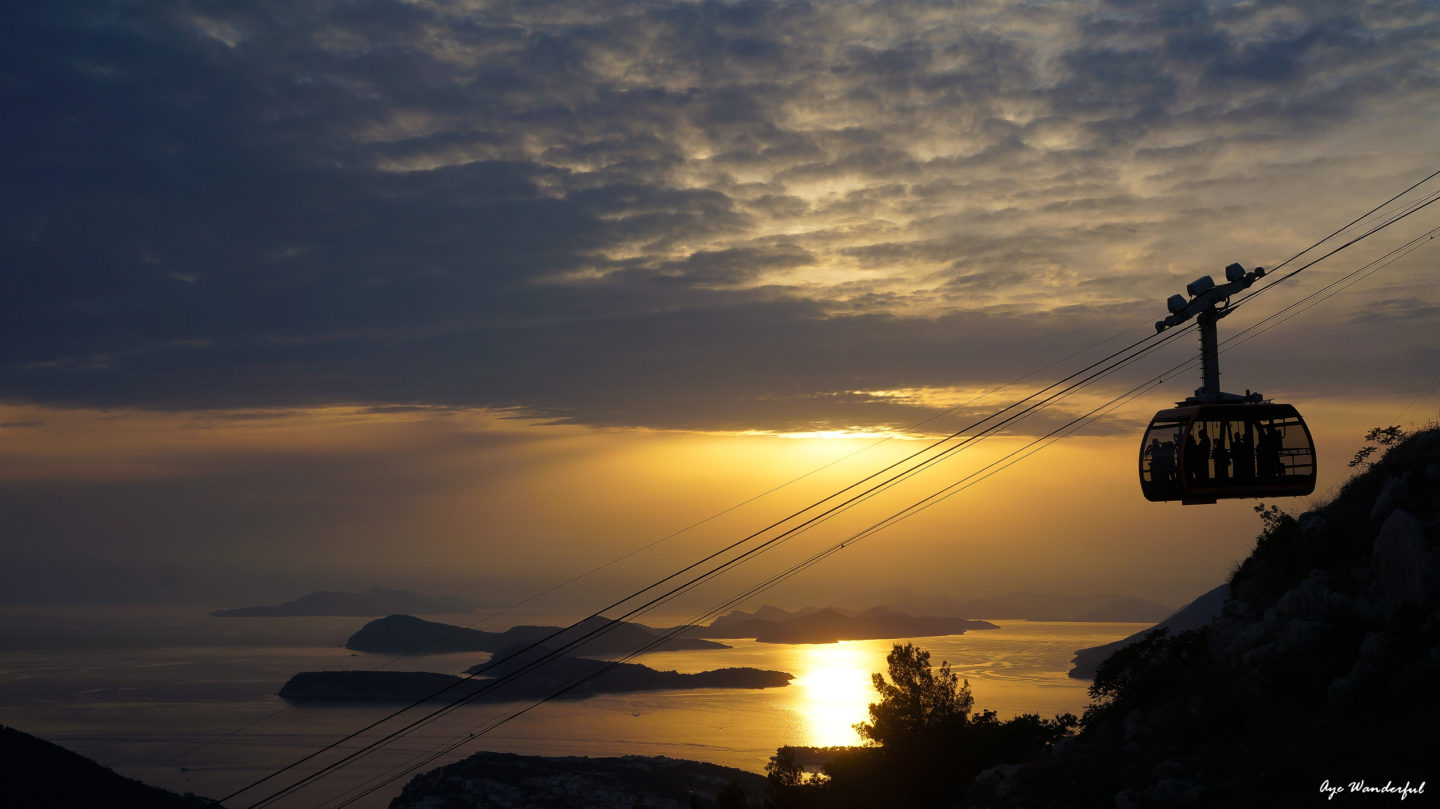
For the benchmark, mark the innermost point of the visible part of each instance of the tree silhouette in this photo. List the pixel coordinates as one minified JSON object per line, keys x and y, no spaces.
{"x":918,"y":703}
{"x":784,"y":769}
{"x":1376,"y":438}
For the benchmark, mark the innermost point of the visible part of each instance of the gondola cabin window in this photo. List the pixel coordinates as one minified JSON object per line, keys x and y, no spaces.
{"x":1203,"y":453}
{"x":1160,"y":459}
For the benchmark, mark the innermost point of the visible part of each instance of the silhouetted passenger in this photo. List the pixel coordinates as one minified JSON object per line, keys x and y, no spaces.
{"x":1242,"y":455}
{"x":1197,"y":458}
{"x":1163,"y":463}
{"x":1222,"y":461}
{"x":1267,"y":455}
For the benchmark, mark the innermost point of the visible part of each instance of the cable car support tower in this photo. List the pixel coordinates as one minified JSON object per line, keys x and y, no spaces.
{"x":1208,"y":303}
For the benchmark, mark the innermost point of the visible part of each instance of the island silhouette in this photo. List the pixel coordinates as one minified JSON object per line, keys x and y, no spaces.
{"x":561,"y":677}
{"x":406,"y":634}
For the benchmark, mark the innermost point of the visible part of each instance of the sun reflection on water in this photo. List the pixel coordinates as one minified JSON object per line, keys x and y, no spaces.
{"x":832,"y":691}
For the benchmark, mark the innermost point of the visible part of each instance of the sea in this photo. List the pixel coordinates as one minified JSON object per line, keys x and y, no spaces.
{"x":182,"y":700}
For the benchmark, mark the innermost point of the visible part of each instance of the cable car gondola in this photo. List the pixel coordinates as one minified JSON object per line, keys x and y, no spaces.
{"x":1215,"y":445}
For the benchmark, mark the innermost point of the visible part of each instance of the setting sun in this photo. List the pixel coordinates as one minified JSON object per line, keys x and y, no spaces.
{"x":833,"y":689}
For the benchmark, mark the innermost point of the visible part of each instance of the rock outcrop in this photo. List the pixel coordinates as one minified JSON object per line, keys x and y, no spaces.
{"x":504,"y":781}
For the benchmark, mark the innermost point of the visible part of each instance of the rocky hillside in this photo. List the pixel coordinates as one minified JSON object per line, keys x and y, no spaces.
{"x":1320,"y":676}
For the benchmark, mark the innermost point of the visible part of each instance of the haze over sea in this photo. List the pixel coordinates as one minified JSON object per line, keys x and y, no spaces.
{"x":141,"y":689}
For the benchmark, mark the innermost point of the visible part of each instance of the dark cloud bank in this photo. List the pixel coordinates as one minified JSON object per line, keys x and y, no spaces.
{"x":666,"y":214}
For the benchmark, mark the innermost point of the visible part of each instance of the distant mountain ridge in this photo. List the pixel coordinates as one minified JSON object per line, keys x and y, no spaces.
{"x":1021,"y":605}
{"x":374,"y":602}
{"x":829,"y":625}
{"x":1065,"y":607}
{"x":406,"y":634}
{"x":1194,"y":615}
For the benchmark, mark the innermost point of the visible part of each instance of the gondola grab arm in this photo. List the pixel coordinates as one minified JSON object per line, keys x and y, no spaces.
{"x":1206,"y":295}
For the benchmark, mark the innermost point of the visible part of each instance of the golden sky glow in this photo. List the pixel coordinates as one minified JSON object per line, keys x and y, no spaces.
{"x":480,"y":296}
{"x":468,"y":501}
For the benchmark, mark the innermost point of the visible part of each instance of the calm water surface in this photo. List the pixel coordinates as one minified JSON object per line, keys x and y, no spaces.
{"x":185,"y":701}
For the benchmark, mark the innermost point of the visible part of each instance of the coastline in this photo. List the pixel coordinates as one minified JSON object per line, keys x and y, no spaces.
{"x":155,"y":689}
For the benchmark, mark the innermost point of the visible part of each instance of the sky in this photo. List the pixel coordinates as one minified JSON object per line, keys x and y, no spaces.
{"x":476,"y":297}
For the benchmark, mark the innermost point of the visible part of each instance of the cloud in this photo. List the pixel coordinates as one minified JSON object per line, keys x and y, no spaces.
{"x":697,"y":215}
